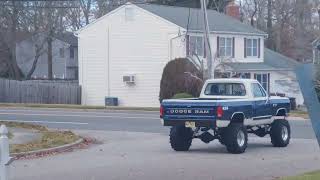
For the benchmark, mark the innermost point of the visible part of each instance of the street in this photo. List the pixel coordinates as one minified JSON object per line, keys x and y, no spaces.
{"x":131,"y":121}
{"x":135,"y":146}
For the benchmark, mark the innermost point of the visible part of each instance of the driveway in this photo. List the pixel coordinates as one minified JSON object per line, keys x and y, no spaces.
{"x":148,"y":156}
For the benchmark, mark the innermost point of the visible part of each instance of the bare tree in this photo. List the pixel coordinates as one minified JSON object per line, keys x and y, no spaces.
{"x":9,"y":18}
{"x":86,"y":9}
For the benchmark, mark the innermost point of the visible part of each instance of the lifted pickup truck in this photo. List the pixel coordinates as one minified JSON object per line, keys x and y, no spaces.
{"x":227,"y":110}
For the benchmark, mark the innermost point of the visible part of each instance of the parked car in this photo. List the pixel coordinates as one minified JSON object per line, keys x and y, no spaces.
{"x":227,"y":110}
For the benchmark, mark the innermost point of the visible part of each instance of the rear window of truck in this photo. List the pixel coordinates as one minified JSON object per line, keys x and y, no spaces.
{"x":225,"y":89}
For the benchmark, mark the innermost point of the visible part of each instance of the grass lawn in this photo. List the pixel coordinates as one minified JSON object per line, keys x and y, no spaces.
{"x":49,"y":138}
{"x":302,"y":114}
{"x":308,"y":176}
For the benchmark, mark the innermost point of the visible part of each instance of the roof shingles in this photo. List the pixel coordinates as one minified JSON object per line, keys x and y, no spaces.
{"x":273,"y":61}
{"x":218,"y":22}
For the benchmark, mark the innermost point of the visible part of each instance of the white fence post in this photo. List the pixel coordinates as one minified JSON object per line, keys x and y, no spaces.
{"x":5,"y":158}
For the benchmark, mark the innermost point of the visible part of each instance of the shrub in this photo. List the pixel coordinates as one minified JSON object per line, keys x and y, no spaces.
{"x":182,"y":96}
{"x":180,"y":75}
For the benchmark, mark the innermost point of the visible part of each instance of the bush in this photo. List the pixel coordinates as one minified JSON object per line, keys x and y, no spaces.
{"x":180,"y":75}
{"x":182,"y":96}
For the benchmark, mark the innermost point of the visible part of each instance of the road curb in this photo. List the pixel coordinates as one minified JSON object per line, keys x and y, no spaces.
{"x":75,"y":107}
{"x":294,"y":118}
{"x":57,"y":149}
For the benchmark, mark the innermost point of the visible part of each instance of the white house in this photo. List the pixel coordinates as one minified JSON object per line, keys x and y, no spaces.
{"x":64,"y":55}
{"x":135,"y":42}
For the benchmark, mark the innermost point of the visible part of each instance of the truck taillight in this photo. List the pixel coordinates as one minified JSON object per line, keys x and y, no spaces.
{"x":161,"y":111}
{"x":219,"y":112}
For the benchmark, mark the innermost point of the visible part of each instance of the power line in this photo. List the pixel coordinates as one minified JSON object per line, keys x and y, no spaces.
{"x":36,"y":0}
{"x":44,"y":7}
{"x":64,"y":6}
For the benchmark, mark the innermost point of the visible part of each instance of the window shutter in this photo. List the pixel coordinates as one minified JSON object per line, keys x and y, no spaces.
{"x":255,"y":76}
{"x":218,"y":39}
{"x":233,"y":47}
{"x":204,"y":49}
{"x":259,"y":42}
{"x":187,"y":45}
{"x":245,"y":47}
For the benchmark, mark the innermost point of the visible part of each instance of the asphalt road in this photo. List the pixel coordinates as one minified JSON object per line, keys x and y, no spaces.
{"x":131,"y":121}
{"x":134,"y":145}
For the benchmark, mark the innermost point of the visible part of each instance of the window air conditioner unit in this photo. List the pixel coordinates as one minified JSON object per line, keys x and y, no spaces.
{"x":129,"y":79}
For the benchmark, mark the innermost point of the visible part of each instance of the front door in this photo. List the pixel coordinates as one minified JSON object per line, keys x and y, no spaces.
{"x":262,"y":108}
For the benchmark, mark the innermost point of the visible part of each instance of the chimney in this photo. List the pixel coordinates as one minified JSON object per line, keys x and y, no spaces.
{"x":233,"y":10}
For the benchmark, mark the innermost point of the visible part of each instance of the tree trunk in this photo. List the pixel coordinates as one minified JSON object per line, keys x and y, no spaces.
{"x":269,"y":24}
{"x":12,"y":44}
{"x":35,"y":61}
{"x":50,"y":77}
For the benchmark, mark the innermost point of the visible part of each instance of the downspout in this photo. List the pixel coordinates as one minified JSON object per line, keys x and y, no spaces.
{"x":108,"y":61}
{"x":80,"y":60}
{"x":171,"y":44}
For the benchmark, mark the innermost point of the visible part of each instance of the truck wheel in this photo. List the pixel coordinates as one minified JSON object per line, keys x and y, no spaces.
{"x":235,"y":137}
{"x":280,"y":133}
{"x":181,"y":138}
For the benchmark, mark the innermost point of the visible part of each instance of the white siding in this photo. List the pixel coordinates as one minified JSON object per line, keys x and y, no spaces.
{"x":140,"y":46}
{"x":239,"y":47}
{"x":93,"y":65}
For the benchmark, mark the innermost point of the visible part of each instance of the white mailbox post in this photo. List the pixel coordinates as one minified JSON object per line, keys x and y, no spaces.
{"x":5,"y":158}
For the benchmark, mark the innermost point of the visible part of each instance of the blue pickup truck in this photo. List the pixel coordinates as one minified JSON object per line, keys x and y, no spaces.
{"x":227,"y":110}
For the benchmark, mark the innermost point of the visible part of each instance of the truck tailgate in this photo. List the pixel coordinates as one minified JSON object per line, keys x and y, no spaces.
{"x":189,"y":110}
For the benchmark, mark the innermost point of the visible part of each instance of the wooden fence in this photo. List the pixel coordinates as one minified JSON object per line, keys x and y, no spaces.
{"x":39,"y":92}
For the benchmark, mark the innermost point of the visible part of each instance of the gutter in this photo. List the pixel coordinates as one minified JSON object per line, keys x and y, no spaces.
{"x":264,"y":70}
{"x":230,"y":32}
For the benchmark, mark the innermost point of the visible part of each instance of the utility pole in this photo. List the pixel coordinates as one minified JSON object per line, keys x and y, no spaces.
{"x":208,"y":72}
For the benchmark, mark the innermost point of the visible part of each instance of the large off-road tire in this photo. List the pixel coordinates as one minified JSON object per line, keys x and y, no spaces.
{"x":181,"y":138}
{"x":280,"y":133}
{"x":235,"y":138}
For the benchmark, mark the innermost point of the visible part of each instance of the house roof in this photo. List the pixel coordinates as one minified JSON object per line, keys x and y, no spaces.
{"x":67,"y":37}
{"x":218,"y":22}
{"x":273,"y":61}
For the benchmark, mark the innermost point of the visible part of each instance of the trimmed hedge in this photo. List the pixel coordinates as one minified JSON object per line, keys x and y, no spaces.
{"x":180,"y":75}
{"x":182,"y":96}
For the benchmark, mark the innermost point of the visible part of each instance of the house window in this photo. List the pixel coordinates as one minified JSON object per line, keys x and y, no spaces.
{"x":61,"y":52}
{"x":251,"y":47}
{"x":129,"y":14}
{"x":71,"y":52}
{"x":264,"y":80}
{"x":225,"y":47}
{"x":196,"y":45}
{"x":242,"y":75}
